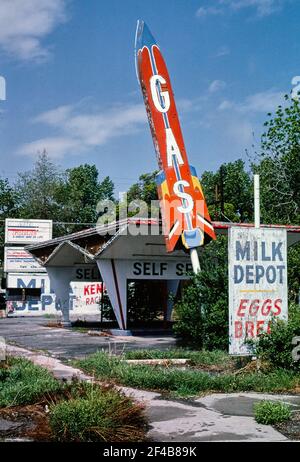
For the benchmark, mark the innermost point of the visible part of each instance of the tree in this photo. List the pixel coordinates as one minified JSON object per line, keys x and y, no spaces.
{"x":69,"y":197}
{"x":278,"y":164}
{"x":79,"y":195}
{"x":7,"y":199}
{"x":7,"y":208}
{"x":145,"y":189}
{"x":202,"y":312}
{"x":229,"y":192}
{"x":37,"y":190}
{"x":141,"y":197}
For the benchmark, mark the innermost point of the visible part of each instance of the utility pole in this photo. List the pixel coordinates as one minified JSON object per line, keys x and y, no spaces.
{"x":222,"y":188}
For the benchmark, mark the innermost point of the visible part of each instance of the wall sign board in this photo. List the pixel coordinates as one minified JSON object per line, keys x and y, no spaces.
{"x":19,"y":231}
{"x":17,"y":259}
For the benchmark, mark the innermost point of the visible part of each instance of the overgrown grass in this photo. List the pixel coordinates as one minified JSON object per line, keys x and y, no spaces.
{"x":96,"y":414}
{"x":22,"y":382}
{"x":271,"y":412}
{"x":78,"y":411}
{"x":197,"y":358}
{"x":185,"y":382}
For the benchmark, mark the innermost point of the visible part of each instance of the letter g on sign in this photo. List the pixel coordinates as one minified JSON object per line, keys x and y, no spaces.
{"x":154,"y":80}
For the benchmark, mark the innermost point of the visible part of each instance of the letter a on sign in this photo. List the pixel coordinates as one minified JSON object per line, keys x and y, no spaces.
{"x":184,"y":211}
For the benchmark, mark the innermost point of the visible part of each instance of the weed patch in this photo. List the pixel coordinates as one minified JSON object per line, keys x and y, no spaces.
{"x":271,"y":412}
{"x":97,"y":414}
{"x":22,"y":382}
{"x":185,"y":382}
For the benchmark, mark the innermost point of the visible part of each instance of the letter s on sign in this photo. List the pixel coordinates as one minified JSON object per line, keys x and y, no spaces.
{"x":164,"y":94}
{"x":183,"y":195}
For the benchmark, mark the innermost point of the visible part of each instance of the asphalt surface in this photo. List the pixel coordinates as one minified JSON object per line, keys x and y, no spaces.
{"x":70,"y":343}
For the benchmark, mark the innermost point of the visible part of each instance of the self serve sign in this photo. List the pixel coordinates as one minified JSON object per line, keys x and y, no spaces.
{"x":257,"y":284}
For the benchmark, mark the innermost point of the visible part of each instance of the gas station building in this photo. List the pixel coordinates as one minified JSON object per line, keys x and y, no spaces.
{"x":124,"y":251}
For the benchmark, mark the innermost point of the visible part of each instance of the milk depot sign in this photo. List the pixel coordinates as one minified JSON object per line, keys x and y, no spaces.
{"x":257,"y":284}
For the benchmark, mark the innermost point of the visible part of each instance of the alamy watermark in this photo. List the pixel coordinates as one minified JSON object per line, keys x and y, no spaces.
{"x":296,"y":349}
{"x":2,"y":88}
{"x":174,"y":211}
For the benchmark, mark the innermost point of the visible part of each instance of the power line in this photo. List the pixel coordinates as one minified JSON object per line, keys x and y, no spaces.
{"x":57,"y":222}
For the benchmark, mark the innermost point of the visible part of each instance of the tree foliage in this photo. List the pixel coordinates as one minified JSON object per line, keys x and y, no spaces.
{"x":70,"y":197}
{"x":37,"y":190}
{"x":8,"y":204}
{"x":203,"y":309}
{"x":79,"y":195}
{"x":278,"y":164}
{"x":145,"y":189}
{"x":276,"y":346}
{"x":229,"y":188}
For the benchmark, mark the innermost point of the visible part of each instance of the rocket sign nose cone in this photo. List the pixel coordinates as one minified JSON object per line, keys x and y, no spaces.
{"x":143,"y":36}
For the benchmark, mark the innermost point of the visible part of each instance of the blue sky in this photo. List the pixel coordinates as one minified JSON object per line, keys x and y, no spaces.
{"x":72,"y":89}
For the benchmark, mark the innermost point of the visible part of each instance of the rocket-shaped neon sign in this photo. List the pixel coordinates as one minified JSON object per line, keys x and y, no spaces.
{"x":184,"y":211}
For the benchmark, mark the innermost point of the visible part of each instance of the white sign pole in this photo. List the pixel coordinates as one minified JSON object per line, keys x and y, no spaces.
{"x":195,"y":260}
{"x":256,"y":202}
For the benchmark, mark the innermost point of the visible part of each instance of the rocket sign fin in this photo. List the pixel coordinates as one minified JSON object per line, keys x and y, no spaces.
{"x":184,"y":210}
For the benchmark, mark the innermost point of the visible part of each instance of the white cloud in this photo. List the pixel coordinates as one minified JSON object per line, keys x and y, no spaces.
{"x":77,"y":132}
{"x":55,"y":116}
{"x":224,"y":105}
{"x":216,"y":85}
{"x":56,"y":146}
{"x":262,"y":102}
{"x":262,"y":7}
{"x":265,"y":101}
{"x":24,"y":23}
{"x":203,"y":11}
{"x":223,"y":51}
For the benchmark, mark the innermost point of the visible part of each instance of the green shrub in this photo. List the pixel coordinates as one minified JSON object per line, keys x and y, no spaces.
{"x":97,"y":415}
{"x":271,"y":412}
{"x":22,"y":382}
{"x":202,"y":313}
{"x":276,"y":347}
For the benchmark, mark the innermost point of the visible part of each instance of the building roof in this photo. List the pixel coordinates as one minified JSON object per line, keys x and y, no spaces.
{"x":124,"y":239}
